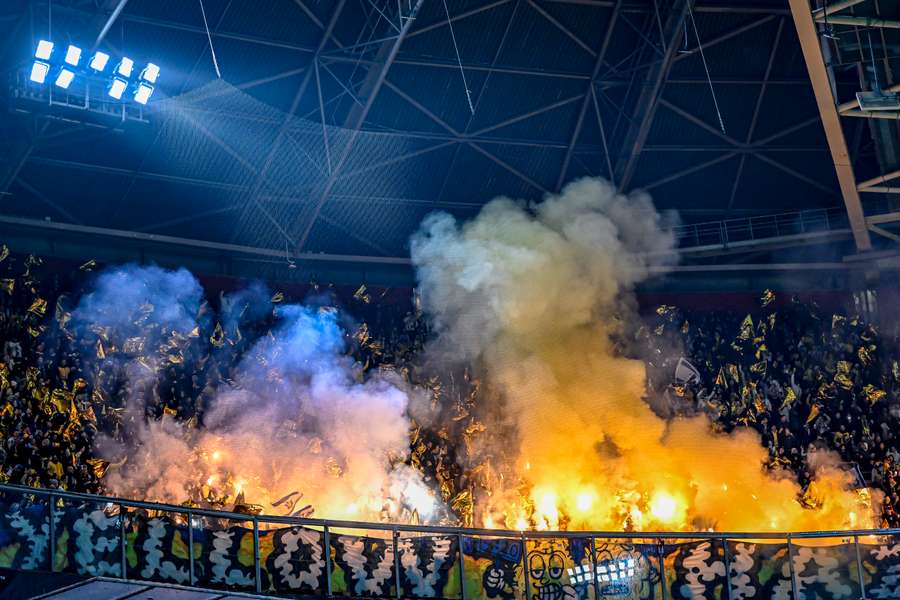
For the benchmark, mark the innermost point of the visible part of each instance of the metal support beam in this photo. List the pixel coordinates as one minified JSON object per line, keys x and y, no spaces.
{"x":285,"y":126}
{"x":360,"y":118}
{"x":818,"y":75}
{"x":851,"y":104}
{"x":755,"y":119}
{"x":863,"y":22}
{"x":875,"y":114}
{"x":579,"y":122}
{"x":868,"y":183}
{"x":834,"y":7}
{"x":110,"y":21}
{"x":648,"y":101}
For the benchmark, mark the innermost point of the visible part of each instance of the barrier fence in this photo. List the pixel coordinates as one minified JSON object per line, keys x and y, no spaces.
{"x":289,"y":557}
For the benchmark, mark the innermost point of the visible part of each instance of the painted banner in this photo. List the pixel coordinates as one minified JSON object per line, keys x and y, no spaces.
{"x":92,"y":540}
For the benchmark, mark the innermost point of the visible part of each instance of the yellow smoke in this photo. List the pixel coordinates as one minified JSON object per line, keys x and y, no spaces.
{"x":535,"y":296}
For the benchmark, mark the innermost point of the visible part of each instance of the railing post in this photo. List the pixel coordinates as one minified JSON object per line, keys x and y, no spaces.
{"x":727,"y":566}
{"x":594,"y":568}
{"x":525,"y":565}
{"x":256,"y":566}
{"x":794,"y":583}
{"x":396,"y":536}
{"x":123,"y":542}
{"x":462,"y":568}
{"x":326,"y":540}
{"x":190,"y":519}
{"x":52,"y":533}
{"x":859,"y":568}
{"x":660,"y":551}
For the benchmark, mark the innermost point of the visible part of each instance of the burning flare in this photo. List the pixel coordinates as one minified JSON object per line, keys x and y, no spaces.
{"x":535,"y":297}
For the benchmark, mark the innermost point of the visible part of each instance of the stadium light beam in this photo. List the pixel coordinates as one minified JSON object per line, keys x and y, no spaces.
{"x":65,"y":78}
{"x":39,"y":71}
{"x":143,"y":93}
{"x":44,"y":50}
{"x":117,"y":88}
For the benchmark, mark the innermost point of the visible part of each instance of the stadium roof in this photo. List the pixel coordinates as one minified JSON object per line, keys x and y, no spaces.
{"x":352,"y":119}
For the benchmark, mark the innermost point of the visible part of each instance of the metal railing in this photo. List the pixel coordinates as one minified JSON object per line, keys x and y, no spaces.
{"x":193,"y":518}
{"x":731,"y":231}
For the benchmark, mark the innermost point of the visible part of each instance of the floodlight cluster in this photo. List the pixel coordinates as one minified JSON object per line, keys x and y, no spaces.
{"x":120,"y":78}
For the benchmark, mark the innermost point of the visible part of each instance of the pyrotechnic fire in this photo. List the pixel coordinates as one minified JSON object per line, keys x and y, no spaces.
{"x":534,"y":300}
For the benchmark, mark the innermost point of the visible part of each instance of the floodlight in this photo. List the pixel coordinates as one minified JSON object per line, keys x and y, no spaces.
{"x":117,"y":88}
{"x":39,"y":71}
{"x":64,"y":79}
{"x":73,"y":55}
{"x":125,"y":67}
{"x":44,"y":50}
{"x":150,"y":73}
{"x":143,"y":93}
{"x":98,"y":63}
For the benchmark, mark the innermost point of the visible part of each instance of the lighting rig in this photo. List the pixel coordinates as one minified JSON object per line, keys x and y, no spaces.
{"x":68,"y":66}
{"x":69,"y":77}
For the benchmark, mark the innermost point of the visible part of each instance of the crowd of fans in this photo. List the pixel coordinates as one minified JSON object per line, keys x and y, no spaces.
{"x":801,"y":377}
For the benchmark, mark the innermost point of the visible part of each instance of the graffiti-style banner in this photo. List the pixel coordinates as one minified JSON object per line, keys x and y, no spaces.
{"x":294,"y":561}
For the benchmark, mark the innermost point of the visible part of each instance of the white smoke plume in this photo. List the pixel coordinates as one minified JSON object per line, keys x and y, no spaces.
{"x":294,"y":414}
{"x":535,"y":296}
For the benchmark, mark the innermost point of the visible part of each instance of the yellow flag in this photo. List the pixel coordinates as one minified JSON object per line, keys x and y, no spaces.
{"x":99,"y":466}
{"x":62,"y":400}
{"x":865,"y":356}
{"x":873,"y":394}
{"x":101,"y":353}
{"x":768,"y":296}
{"x":56,"y":469}
{"x":813,"y":413}
{"x":8,"y":285}
{"x":746,"y":328}
{"x":720,"y":378}
{"x":38,"y":307}
{"x":842,"y":377}
{"x":789,"y":397}
{"x":4,"y":253}
{"x":361,"y":295}
{"x":217,"y":339}
{"x":278,"y":297}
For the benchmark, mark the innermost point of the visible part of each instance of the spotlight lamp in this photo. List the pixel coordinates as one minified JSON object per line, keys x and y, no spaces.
{"x":150,"y":73}
{"x":44,"y":50}
{"x":39,"y":71}
{"x":99,"y":61}
{"x":73,"y":55}
{"x":143,"y":93}
{"x":117,"y":88}
{"x":63,"y":68}
{"x":125,"y":67}
{"x":64,"y":79}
